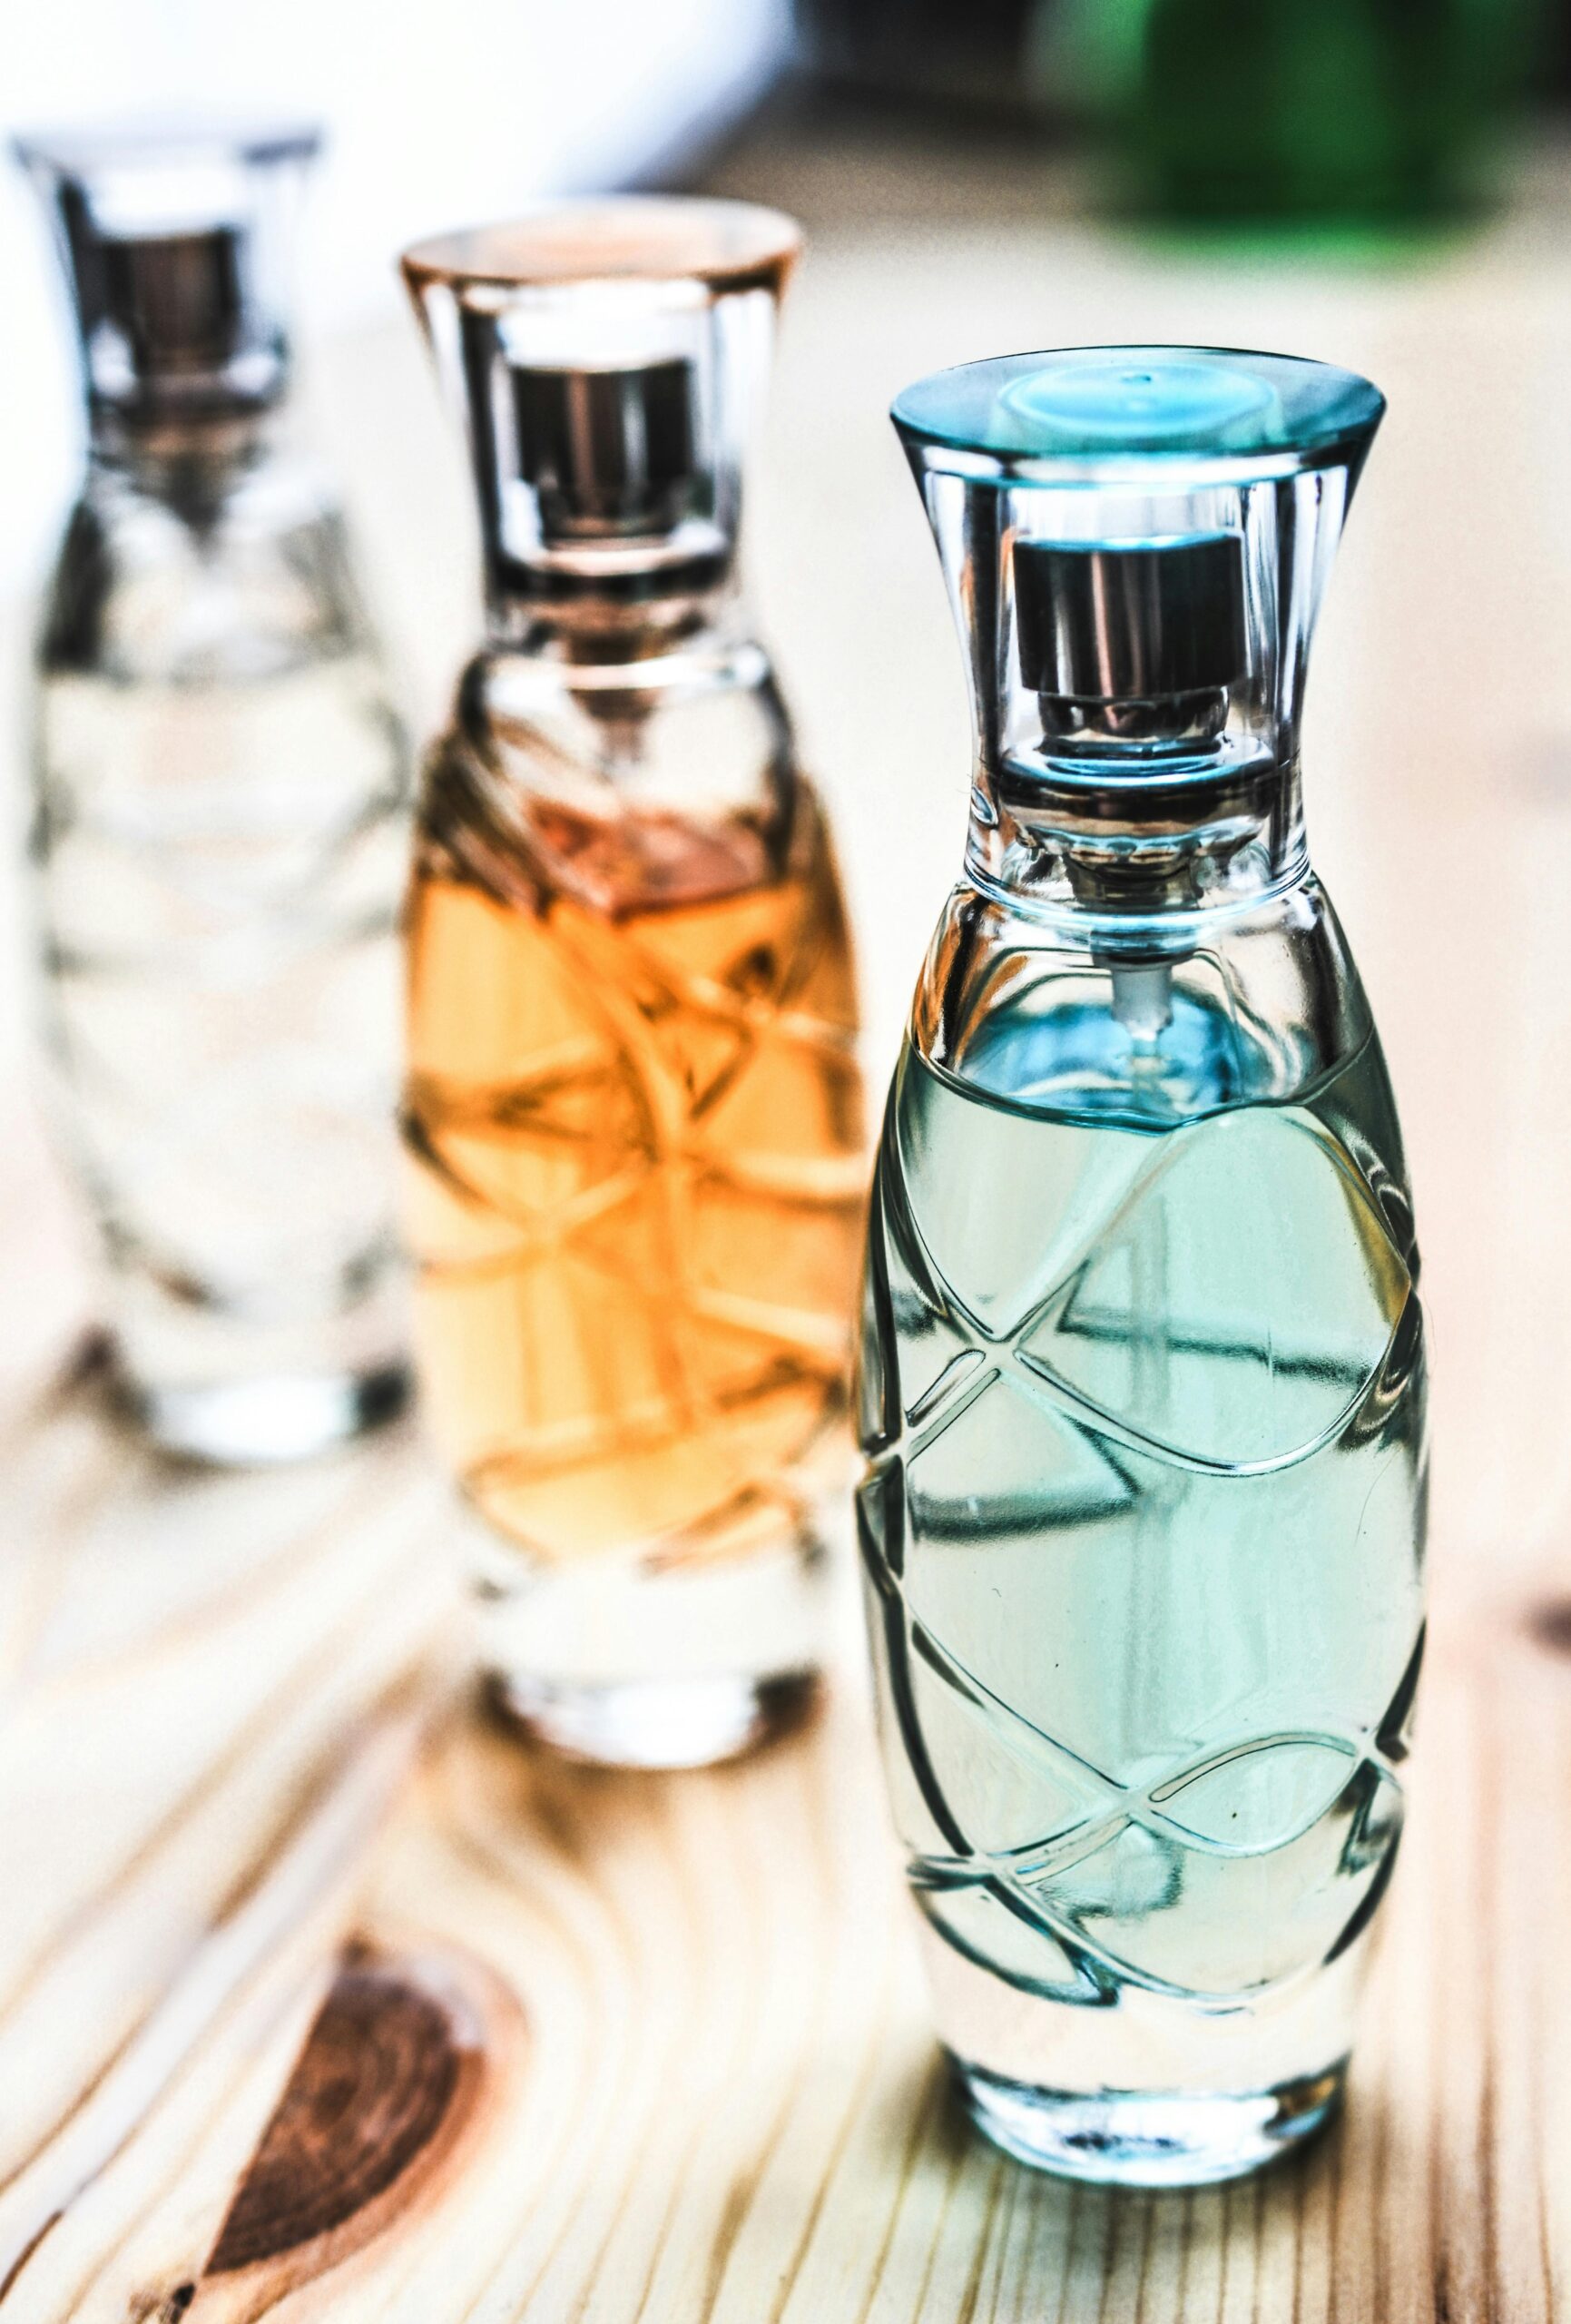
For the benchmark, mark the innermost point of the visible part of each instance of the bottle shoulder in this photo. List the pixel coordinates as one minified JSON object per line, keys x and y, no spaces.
{"x":578,"y":777}
{"x":1078,"y":1019}
{"x":1038,"y":1063}
{"x":696,"y":893}
{"x":701,"y":723}
{"x":240,"y":575}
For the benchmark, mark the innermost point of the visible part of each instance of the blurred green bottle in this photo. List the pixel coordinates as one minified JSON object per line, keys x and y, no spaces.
{"x":1331,"y":113}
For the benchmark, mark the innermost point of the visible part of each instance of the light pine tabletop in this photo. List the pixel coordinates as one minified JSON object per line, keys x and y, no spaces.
{"x":319,"y":1996}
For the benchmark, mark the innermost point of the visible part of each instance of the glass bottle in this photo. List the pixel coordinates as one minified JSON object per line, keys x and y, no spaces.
{"x":1142,"y":1376}
{"x":634,"y":1114}
{"x":220,"y":834}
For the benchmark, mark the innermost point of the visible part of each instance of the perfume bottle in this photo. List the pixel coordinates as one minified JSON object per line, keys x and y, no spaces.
{"x":220,"y":830}
{"x":633,"y":1114}
{"x":1142,"y":1376}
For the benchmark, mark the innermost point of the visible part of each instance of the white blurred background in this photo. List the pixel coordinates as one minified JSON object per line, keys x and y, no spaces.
{"x":436,"y":116}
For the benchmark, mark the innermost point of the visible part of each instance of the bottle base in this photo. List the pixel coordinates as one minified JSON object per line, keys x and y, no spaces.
{"x":624,"y":1662}
{"x":654,"y":1723}
{"x":1130,"y":2138}
{"x":269,"y":1422}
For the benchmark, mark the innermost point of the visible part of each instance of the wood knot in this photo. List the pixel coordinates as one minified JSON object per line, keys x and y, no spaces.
{"x":381,"y":2095}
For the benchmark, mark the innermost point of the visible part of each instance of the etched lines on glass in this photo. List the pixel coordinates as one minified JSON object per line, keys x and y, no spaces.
{"x":636,"y":1197}
{"x":1083,"y":1750}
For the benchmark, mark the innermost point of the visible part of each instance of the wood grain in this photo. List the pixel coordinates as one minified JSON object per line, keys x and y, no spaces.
{"x":657,"y":2049}
{"x":319,"y":1997}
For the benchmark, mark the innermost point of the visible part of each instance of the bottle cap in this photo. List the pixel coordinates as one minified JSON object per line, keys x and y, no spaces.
{"x":169,"y":235}
{"x":1096,"y":414}
{"x":606,"y":358}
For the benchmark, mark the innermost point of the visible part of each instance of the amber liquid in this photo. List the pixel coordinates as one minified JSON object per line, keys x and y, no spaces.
{"x":635,"y":1128}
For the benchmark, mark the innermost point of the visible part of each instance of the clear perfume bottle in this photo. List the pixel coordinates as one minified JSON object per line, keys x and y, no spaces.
{"x":633,"y":1114}
{"x":220,"y":834}
{"x":1142,"y":1376}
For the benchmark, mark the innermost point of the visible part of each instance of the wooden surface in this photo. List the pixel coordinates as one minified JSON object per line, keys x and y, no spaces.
{"x":317,"y":1996}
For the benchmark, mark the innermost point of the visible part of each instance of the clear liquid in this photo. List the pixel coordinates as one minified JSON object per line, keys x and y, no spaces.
{"x":219,"y":866}
{"x":1143,"y":1391}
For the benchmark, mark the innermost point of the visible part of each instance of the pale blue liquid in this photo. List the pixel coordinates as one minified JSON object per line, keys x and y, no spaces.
{"x":1143,"y":1394}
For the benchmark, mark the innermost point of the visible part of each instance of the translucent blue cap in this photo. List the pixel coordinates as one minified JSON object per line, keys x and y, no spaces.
{"x":1095,"y":411}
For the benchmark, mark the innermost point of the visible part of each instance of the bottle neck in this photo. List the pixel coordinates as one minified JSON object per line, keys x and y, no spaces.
{"x":625,"y":597}
{"x":618,"y":675}
{"x":1134,"y":844}
{"x":591,"y":630}
{"x":189,"y":461}
{"x":682,"y":730}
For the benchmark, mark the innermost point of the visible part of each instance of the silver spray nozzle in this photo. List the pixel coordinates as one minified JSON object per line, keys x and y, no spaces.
{"x":1130,"y":640}
{"x":613,"y":453}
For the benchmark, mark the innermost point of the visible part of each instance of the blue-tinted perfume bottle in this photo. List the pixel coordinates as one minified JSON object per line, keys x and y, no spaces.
{"x":1142,"y":1381}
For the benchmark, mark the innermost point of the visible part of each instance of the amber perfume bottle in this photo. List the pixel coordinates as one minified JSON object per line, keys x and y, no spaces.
{"x":634,"y":1114}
